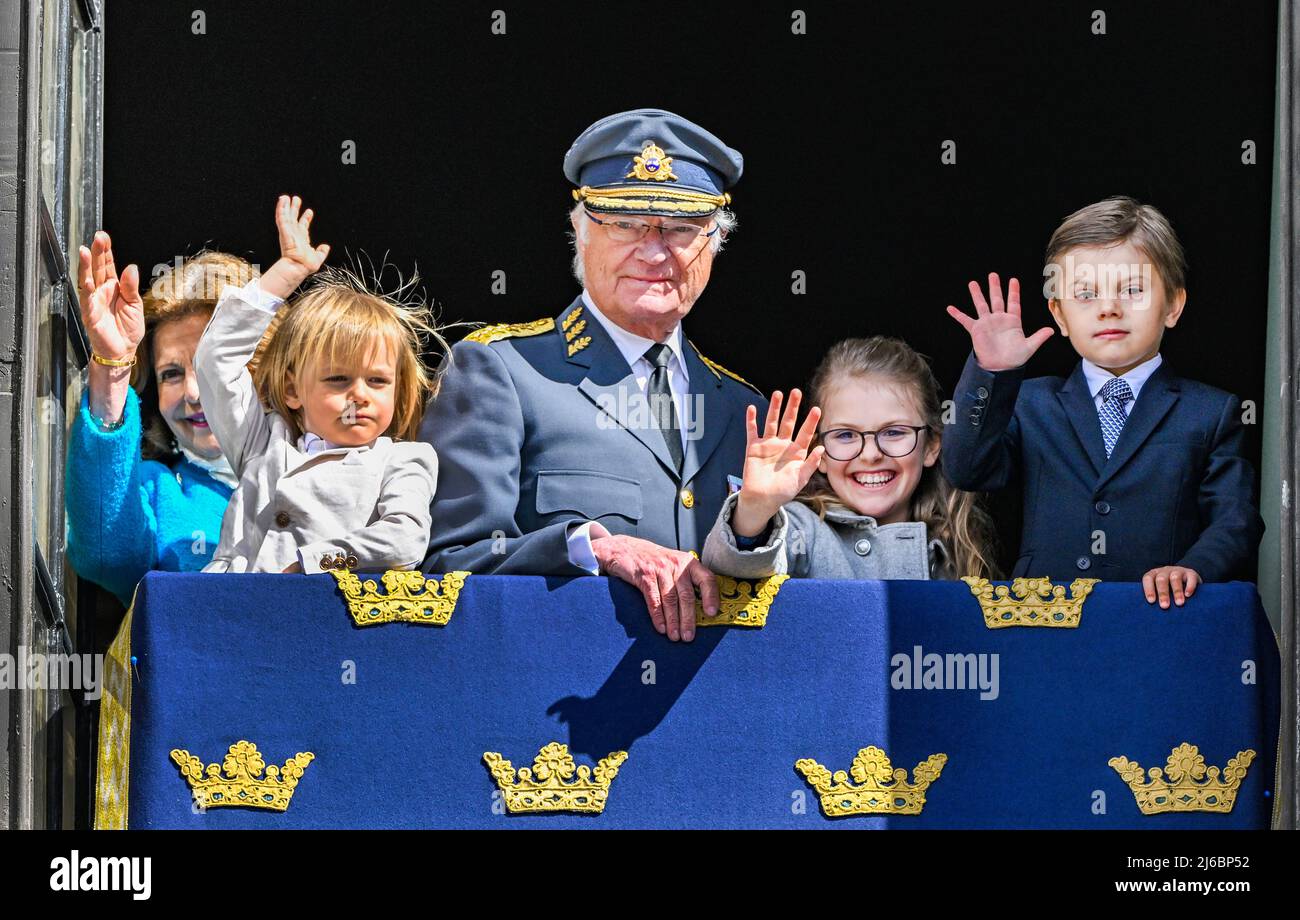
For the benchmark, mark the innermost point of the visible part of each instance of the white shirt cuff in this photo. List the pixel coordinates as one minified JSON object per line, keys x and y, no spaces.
{"x":580,"y":552}
{"x":253,"y":294}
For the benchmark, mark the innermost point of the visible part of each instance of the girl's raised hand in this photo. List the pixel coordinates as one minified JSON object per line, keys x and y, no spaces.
{"x":298,"y":258}
{"x":996,"y":333}
{"x":111,"y":308}
{"x":778,"y":464}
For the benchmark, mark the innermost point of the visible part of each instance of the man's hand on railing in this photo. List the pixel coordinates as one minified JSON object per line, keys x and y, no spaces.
{"x":666,"y":578}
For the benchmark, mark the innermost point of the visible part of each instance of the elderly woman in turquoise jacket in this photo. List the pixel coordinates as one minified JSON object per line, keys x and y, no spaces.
{"x":128,"y":512}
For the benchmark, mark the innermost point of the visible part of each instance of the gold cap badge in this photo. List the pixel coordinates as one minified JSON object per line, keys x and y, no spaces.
{"x":652,"y":165}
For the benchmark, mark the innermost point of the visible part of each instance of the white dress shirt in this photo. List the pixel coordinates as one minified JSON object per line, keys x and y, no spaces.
{"x":633,"y":348}
{"x":1097,"y":377}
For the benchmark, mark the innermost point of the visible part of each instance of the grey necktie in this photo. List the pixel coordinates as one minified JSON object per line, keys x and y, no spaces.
{"x":663,"y":412}
{"x":1115,"y":394}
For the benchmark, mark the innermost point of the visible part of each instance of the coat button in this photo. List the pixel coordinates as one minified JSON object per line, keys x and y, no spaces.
{"x":688,"y":498}
{"x":1084,"y":563}
{"x":982,"y":392}
{"x":282,"y":519}
{"x":1102,"y":507}
{"x":862,"y":547}
{"x":327,"y":562}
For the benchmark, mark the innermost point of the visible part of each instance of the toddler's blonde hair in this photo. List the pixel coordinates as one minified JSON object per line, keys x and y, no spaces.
{"x":339,"y":320}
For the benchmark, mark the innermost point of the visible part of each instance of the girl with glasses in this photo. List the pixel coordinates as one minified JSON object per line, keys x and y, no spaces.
{"x":856,"y":492}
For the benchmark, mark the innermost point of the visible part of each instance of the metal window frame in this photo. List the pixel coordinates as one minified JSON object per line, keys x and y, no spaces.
{"x":36,"y":613}
{"x":1288,"y":133}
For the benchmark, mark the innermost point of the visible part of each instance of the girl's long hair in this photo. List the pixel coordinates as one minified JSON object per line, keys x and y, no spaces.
{"x":951,"y":515}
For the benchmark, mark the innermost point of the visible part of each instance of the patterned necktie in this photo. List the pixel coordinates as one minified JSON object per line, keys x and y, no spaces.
{"x":1115,"y":395}
{"x":663,"y":412}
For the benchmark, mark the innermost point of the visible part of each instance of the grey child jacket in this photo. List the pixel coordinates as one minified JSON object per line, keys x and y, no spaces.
{"x":845,"y":545}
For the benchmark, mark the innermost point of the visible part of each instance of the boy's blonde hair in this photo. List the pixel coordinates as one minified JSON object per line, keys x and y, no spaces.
{"x":188,"y":288}
{"x":950,"y":514}
{"x":1121,"y":219}
{"x":339,"y":320}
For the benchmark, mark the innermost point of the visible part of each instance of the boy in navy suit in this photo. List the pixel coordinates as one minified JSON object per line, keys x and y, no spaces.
{"x":1129,"y":472}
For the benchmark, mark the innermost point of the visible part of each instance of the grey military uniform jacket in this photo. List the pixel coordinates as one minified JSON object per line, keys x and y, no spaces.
{"x":536,"y":432}
{"x":845,"y":545}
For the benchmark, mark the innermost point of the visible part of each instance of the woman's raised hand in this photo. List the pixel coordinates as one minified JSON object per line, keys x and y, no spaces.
{"x":111,"y":309}
{"x":996,"y":333}
{"x":298,"y":258}
{"x":778,"y":464}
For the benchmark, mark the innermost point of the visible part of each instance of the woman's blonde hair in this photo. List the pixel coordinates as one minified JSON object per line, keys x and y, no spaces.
{"x":339,"y":320}
{"x":188,"y":288}
{"x":949,"y":514}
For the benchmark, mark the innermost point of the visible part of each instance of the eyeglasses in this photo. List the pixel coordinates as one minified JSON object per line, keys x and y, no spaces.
{"x":676,"y":235}
{"x":895,"y":441}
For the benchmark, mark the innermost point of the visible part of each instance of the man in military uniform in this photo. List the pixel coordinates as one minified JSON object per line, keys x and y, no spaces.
{"x":600,"y":441}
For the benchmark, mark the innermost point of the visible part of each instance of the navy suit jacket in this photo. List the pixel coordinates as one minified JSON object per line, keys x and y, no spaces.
{"x":538,"y":430}
{"x":1176,"y":490}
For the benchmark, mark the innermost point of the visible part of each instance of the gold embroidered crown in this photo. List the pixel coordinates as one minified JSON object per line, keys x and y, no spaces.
{"x":409,"y":597}
{"x":242,"y":783}
{"x":1037,"y":602}
{"x":1186,"y":783}
{"x":550,"y":785}
{"x":881,"y":789}
{"x":741,"y":602}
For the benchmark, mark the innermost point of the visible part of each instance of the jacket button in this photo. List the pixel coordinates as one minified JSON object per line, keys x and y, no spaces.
{"x":327,"y":562}
{"x":1102,"y":507}
{"x":982,"y":392}
{"x":1084,"y":563}
{"x":688,"y":498}
{"x":862,"y":547}
{"x":282,"y":519}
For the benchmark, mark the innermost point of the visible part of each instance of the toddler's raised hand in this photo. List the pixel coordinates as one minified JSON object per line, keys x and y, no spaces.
{"x":996,"y":333}
{"x":777,"y":465}
{"x":298,"y":258}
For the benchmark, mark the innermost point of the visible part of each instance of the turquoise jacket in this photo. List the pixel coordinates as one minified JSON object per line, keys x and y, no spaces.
{"x":127,"y":516}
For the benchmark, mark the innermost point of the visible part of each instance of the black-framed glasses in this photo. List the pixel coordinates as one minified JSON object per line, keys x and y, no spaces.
{"x":676,"y":234}
{"x":894,"y":441}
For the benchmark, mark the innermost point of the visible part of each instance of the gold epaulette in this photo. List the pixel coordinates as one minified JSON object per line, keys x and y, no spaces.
{"x":490,"y":334}
{"x":719,"y":370}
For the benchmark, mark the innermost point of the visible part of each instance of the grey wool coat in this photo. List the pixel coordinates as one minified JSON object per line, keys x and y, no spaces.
{"x":845,"y":545}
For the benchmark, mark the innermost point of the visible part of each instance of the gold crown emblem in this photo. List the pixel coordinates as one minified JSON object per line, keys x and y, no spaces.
{"x":1186,"y":783}
{"x":550,"y":785}
{"x":409,"y":597}
{"x":881,"y":789}
{"x":740,"y":602}
{"x":242,"y":784}
{"x":1037,"y":602}
{"x":652,"y":165}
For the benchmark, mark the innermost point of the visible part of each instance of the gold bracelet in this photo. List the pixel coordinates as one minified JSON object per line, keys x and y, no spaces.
{"x":111,"y":362}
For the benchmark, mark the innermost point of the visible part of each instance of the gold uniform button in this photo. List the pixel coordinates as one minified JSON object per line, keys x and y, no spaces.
{"x":282,"y":519}
{"x":688,"y":498}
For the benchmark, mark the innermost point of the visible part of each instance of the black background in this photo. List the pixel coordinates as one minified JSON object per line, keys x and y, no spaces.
{"x":460,"y":135}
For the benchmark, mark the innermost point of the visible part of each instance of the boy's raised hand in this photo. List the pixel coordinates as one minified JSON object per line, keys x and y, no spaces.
{"x":996,"y":333}
{"x":298,"y":258}
{"x":777,"y":465}
{"x":111,"y":308}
